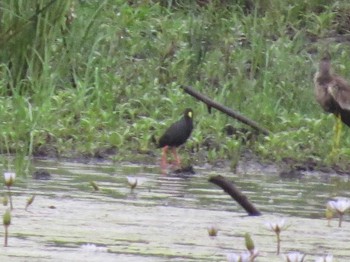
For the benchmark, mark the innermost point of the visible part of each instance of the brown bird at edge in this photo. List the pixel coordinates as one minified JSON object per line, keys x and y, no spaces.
{"x":176,"y":135}
{"x":333,"y":94}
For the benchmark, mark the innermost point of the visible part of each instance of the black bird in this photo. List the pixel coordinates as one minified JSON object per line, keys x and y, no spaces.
{"x":175,"y":136}
{"x":333,"y":94}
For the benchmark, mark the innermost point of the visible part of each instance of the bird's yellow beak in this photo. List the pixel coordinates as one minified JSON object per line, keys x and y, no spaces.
{"x":190,"y":114}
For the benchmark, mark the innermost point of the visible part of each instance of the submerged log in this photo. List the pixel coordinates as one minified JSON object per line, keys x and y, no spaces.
{"x":235,"y":193}
{"x":211,"y":103}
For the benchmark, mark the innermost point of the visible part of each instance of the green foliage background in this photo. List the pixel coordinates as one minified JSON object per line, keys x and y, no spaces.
{"x":97,"y":78}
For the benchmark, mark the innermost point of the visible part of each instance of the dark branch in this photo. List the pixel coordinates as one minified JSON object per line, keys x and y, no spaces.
{"x":235,"y":193}
{"x":224,"y":109}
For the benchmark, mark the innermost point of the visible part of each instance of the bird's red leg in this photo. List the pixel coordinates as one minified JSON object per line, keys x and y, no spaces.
{"x":176,"y":157}
{"x":163,"y":163}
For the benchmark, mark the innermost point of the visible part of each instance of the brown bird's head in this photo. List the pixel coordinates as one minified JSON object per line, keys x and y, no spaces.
{"x":325,"y":64}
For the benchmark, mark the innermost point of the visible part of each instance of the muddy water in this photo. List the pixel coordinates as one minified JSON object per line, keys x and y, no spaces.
{"x":166,"y":218}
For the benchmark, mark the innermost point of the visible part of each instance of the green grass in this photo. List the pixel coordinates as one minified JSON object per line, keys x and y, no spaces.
{"x":111,"y":77}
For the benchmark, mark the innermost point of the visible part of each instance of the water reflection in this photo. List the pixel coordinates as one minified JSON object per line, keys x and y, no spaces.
{"x":269,"y":192}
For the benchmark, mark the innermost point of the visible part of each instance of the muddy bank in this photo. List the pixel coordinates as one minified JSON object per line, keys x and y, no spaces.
{"x":248,"y":162}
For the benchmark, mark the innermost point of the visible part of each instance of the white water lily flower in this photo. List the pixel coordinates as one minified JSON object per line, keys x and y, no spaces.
{"x":233,"y":257}
{"x":293,"y":257}
{"x":213,"y":230}
{"x":328,"y":258}
{"x":132,"y":181}
{"x":340,"y":205}
{"x":9,"y":178}
{"x":276,"y":226}
{"x":242,"y":257}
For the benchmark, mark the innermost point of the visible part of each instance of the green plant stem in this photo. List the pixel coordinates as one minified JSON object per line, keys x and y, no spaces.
{"x":340,"y":219}
{"x":278,"y":243}
{"x":6,"y":236}
{"x":10,"y":197}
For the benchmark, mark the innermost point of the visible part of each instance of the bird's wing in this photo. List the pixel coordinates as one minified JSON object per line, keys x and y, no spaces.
{"x":169,"y":135}
{"x":340,"y":91}
{"x":322,"y":94}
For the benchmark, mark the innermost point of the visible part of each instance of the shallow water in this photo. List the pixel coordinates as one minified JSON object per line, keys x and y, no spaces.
{"x":166,"y":217}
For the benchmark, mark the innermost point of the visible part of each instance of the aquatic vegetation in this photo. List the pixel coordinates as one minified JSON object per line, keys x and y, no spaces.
{"x":166,"y":220}
{"x":213,"y":231}
{"x":293,"y":257}
{"x":94,"y":185}
{"x":6,"y":222}
{"x":30,"y":201}
{"x":9,"y":180}
{"x":341,"y":205}
{"x":329,"y":214}
{"x":249,"y":243}
{"x":132,"y":182}
{"x":327,"y":258}
{"x":5,"y":200}
{"x":248,"y":256}
{"x":245,"y":256}
{"x":277,"y":228}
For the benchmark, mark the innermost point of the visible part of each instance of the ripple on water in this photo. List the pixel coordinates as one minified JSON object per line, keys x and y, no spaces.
{"x":166,"y":218}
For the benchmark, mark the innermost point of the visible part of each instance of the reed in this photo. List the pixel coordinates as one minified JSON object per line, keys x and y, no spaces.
{"x":85,"y":77}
